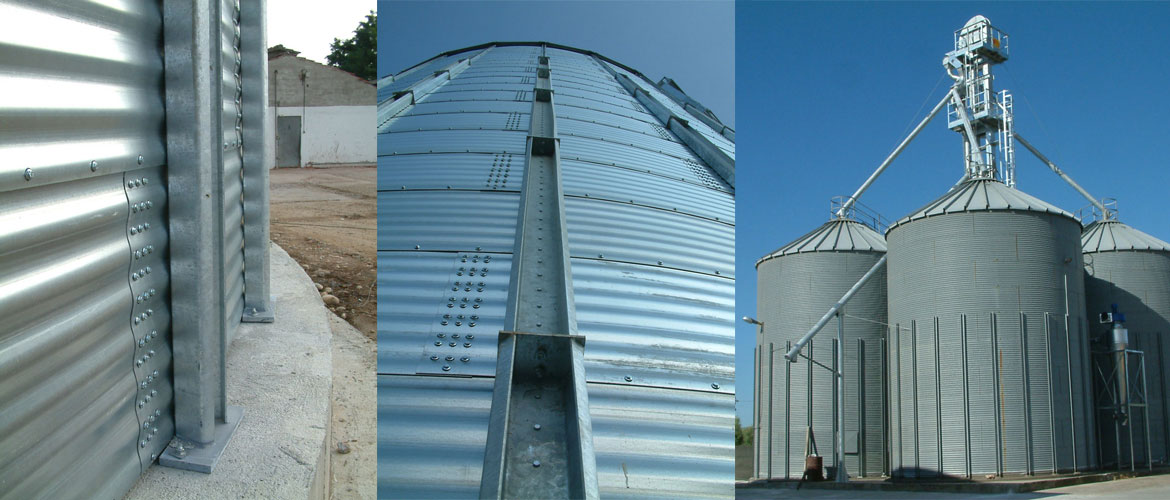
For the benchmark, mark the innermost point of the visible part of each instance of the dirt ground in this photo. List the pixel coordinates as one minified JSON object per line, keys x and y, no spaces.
{"x":326,"y":219}
{"x":354,"y":462}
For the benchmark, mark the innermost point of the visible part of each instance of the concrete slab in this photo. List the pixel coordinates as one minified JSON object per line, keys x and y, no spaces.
{"x":1156,"y":487}
{"x":878,"y":488}
{"x":281,"y":374}
{"x":355,"y":413}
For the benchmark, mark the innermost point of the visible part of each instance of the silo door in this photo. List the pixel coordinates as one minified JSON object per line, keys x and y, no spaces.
{"x":288,"y":141}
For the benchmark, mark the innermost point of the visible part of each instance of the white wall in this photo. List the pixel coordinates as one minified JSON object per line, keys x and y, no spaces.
{"x":333,"y":134}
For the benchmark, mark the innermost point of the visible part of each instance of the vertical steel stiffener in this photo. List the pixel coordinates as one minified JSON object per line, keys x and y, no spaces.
{"x":540,"y":438}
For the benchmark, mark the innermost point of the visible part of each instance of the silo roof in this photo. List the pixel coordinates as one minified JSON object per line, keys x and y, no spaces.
{"x":981,"y":195}
{"x":837,"y":235}
{"x":1113,"y":235}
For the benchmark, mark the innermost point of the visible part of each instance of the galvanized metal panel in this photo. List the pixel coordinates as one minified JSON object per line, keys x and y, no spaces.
{"x":647,"y":126}
{"x":432,"y":432}
{"x":662,"y":443}
{"x":447,"y":220}
{"x":794,"y":291}
{"x":415,"y":291}
{"x":610,"y":153}
{"x":470,"y":107}
{"x":1137,"y":279}
{"x":680,"y":112}
{"x":836,"y":235}
{"x":641,"y":235}
{"x":659,"y":327}
{"x":458,"y":121}
{"x":1003,"y":257}
{"x":83,"y":244}
{"x":668,"y":327}
{"x":452,"y":141}
{"x":480,"y":95}
{"x":474,"y":171}
{"x":654,"y":142}
{"x":619,"y":184}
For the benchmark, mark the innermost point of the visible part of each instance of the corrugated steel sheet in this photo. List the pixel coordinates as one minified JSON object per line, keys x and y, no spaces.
{"x":668,"y":327}
{"x":795,"y":289}
{"x":1001,"y":266}
{"x":1129,"y":268}
{"x":83,"y":244}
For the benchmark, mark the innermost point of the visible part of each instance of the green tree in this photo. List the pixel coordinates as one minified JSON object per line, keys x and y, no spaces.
{"x":359,"y":53}
{"x":743,"y":435}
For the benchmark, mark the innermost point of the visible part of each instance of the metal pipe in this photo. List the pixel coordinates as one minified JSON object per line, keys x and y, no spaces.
{"x":1029,"y":446}
{"x":966,"y":394}
{"x":1104,"y":211}
{"x":938,"y":421}
{"x":791,"y":354}
{"x":970,"y":133}
{"x":890,"y":159}
{"x":861,"y":470}
{"x":995,"y":362}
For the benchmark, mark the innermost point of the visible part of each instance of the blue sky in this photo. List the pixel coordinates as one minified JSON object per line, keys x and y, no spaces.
{"x":691,"y":42}
{"x":828,"y":90}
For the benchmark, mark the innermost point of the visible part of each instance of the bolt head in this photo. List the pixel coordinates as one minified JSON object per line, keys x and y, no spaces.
{"x":536,"y":463}
{"x":629,"y":378}
{"x":715,"y":386}
{"x":28,"y":174}
{"x":536,"y":427}
{"x":93,"y":165}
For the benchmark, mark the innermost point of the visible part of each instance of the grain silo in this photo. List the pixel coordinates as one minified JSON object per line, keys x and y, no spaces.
{"x":1131,"y":269}
{"x":507,"y":165}
{"x":988,"y":348}
{"x":796,"y":285}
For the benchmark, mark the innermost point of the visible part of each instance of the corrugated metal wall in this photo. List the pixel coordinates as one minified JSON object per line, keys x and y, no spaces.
{"x":85,"y":398}
{"x":1139,"y":283}
{"x":795,"y":290}
{"x":650,"y":231}
{"x":979,"y":359}
{"x":233,"y":161}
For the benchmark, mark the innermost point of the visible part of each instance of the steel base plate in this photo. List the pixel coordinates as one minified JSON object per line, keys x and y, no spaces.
{"x":261,"y":316}
{"x":203,"y":459}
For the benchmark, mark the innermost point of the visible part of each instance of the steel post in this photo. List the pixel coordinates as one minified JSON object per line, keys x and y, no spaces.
{"x":203,"y":422}
{"x":259,"y":151}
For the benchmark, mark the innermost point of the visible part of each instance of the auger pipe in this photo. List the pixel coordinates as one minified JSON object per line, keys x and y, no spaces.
{"x":793,"y":353}
{"x":890,"y":159}
{"x":1105,"y":212}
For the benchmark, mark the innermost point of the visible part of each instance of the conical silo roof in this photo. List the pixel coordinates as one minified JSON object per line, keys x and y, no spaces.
{"x":1113,"y":235}
{"x":981,"y":195}
{"x":837,"y":235}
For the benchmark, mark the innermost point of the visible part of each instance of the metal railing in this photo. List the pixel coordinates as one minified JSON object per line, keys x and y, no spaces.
{"x":840,"y":207}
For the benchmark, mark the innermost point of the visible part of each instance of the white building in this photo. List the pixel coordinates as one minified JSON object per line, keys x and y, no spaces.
{"x":320,"y":114}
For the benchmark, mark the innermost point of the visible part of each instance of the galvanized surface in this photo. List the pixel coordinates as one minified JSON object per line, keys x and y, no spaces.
{"x":795,"y":289}
{"x":839,"y":235}
{"x":658,"y":337}
{"x":987,"y":286}
{"x":1129,"y":268}
{"x":981,"y":194}
{"x":84,"y":287}
{"x":1113,"y":235}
